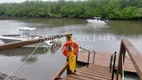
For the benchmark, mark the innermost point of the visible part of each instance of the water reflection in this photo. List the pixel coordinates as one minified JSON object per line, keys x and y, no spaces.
{"x":24,"y":52}
{"x":131,"y":76}
{"x":126,"y":28}
{"x":31,"y":60}
{"x":48,"y":22}
{"x":53,"y":50}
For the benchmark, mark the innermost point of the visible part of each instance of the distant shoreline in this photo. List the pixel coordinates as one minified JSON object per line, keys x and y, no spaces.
{"x":106,"y":9}
{"x":10,"y":17}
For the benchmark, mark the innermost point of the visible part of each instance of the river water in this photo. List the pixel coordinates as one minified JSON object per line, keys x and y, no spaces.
{"x":43,"y":65}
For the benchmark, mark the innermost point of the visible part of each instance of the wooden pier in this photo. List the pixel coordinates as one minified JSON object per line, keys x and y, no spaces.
{"x":106,"y":66}
{"x":103,"y":59}
{"x":92,"y":72}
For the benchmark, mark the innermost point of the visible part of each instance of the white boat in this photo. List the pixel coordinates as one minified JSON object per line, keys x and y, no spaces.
{"x":24,"y":35}
{"x":97,"y":20}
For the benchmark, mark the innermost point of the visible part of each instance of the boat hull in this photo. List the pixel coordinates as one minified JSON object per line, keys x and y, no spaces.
{"x":9,"y":40}
{"x":96,"y":21}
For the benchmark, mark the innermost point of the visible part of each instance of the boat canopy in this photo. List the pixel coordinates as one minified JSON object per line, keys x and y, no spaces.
{"x":24,"y":31}
{"x":97,"y":18}
{"x":27,"y":28}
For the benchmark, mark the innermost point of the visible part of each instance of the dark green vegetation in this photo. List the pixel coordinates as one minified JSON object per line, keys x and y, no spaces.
{"x":112,"y":9}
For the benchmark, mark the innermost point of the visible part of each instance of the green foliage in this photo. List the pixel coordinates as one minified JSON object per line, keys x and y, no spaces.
{"x":113,"y":9}
{"x":139,"y":12}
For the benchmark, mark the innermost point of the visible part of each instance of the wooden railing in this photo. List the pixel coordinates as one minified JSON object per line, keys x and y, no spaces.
{"x":94,"y":57}
{"x":134,"y":55}
{"x":89,"y":54}
{"x":66,"y":66}
{"x":57,"y":76}
{"x":112,"y":65}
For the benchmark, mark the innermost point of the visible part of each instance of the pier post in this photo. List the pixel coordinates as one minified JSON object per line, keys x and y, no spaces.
{"x":119,"y":70}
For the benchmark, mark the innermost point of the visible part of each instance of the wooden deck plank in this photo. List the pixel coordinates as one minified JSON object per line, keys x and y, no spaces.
{"x":91,"y":73}
{"x":86,"y":72}
{"x":100,"y":69}
{"x":103,"y":59}
{"x":128,"y":65}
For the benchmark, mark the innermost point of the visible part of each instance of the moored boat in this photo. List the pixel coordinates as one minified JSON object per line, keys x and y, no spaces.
{"x":24,"y":35}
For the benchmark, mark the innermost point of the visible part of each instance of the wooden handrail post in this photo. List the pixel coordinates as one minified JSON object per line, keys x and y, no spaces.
{"x":57,"y":76}
{"x":113,"y":67}
{"x":134,"y":55}
{"x":119,"y":70}
{"x":94,"y":57}
{"x":110,"y":65}
{"x":88,"y":58}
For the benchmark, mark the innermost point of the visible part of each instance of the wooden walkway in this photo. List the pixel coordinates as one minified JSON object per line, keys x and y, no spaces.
{"x":103,"y":59}
{"x":100,"y":69}
{"x":93,"y":72}
{"x":99,"y":64}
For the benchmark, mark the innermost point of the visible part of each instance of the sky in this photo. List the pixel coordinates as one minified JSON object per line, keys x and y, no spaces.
{"x":3,"y":1}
